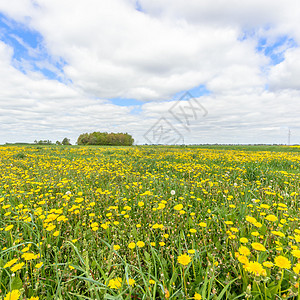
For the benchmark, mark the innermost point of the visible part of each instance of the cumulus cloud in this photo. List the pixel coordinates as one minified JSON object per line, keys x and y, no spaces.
{"x":286,"y":74}
{"x":149,"y":51}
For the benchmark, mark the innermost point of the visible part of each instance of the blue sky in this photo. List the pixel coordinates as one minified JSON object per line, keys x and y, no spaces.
{"x":276,"y":49}
{"x":29,"y":51}
{"x":126,"y":70}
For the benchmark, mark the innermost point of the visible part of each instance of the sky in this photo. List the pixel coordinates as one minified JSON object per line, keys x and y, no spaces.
{"x":166,"y":72}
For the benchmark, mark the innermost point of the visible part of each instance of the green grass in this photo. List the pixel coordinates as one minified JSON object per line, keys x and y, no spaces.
{"x":100,"y":197}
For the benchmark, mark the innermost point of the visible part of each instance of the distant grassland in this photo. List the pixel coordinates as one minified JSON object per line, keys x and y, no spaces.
{"x":149,"y":222}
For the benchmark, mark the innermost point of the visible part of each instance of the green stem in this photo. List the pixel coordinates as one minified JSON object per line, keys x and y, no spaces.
{"x":280,"y":282}
{"x":184,"y":282}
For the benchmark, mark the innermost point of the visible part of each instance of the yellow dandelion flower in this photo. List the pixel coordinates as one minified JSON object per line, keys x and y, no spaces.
{"x":296,"y":268}
{"x":243,"y":259}
{"x":39,"y":265}
{"x":258,"y":247}
{"x":255,"y":268}
{"x":244,"y":251}
{"x":282,"y":262}
{"x":116,"y":247}
{"x":296,"y":253}
{"x":131,"y":281}
{"x":17,"y":267}
{"x":115,"y":283}
{"x":10,"y":263}
{"x":271,"y":218}
{"x":13,"y":295}
{"x":268,"y":264}
{"x":197,"y":296}
{"x":140,"y":244}
{"x":178,"y":207}
{"x":131,"y":245}
{"x":243,"y":240}
{"x":184,"y":259}
{"x":9,"y":227}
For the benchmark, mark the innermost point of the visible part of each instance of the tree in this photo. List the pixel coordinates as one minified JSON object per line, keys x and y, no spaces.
{"x":104,"y":138}
{"x":66,"y":141}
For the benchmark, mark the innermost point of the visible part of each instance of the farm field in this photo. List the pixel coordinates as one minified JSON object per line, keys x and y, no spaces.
{"x":149,"y":222}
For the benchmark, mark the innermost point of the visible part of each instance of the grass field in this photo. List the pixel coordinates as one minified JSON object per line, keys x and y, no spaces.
{"x":149,"y":222}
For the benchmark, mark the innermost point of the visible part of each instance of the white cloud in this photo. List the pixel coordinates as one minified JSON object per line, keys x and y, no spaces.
{"x":113,"y":50}
{"x":286,"y":74}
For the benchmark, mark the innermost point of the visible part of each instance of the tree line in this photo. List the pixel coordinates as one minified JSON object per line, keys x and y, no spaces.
{"x":65,"y":141}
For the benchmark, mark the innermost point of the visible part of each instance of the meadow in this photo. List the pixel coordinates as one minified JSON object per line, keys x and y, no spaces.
{"x":147,"y":222}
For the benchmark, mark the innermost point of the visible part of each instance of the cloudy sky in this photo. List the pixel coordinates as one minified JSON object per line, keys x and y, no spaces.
{"x":172,"y":71}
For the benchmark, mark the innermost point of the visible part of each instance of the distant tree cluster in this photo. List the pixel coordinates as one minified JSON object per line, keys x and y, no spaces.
{"x":43,"y":142}
{"x":65,"y":141}
{"x":104,"y":138}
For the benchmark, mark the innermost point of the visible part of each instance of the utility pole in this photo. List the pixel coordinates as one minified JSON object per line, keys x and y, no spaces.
{"x":289,"y":137}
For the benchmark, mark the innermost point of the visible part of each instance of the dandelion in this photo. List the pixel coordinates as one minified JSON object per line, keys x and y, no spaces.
{"x":258,"y":247}
{"x":184,"y":259}
{"x":282,"y":262}
{"x":271,"y":218}
{"x":243,"y":259}
{"x":9,"y":227}
{"x":255,"y":268}
{"x":131,"y":245}
{"x":116,"y":247}
{"x":56,"y":233}
{"x":278,"y":233}
{"x":197,"y":296}
{"x":243,"y":240}
{"x":296,"y":253}
{"x":251,"y":220}
{"x":10,"y":263}
{"x":296,"y":268}
{"x":17,"y":267}
{"x":178,"y":207}
{"x":28,"y":256}
{"x":255,"y":233}
{"x":50,"y":227}
{"x":13,"y":295}
{"x":268,"y":264}
{"x":39,"y":265}
{"x":131,"y":281}
{"x":115,"y":283}
{"x":228,"y":222}
{"x":140,"y":244}
{"x":244,"y":251}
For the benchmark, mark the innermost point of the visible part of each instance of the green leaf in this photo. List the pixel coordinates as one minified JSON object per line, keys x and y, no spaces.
{"x":16,"y":283}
